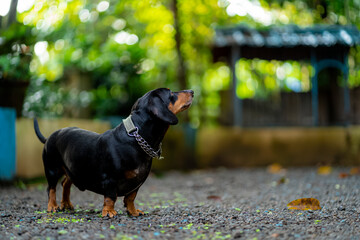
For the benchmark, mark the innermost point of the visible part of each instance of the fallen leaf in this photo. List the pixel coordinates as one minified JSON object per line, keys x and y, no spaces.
{"x":355,"y":171}
{"x":275,"y":168}
{"x":324,"y":170}
{"x":214,"y":197}
{"x":343,"y":175}
{"x":304,"y":204}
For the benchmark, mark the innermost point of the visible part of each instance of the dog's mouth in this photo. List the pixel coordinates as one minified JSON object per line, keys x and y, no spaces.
{"x":186,"y":105}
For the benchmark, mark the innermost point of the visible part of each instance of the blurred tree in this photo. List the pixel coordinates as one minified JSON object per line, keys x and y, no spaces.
{"x":15,"y":55}
{"x":325,"y":11}
{"x":105,"y":54}
{"x":181,"y":72}
{"x":120,"y":58}
{"x":12,"y":12}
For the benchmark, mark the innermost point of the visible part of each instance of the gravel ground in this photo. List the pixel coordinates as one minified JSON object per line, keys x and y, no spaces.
{"x":215,"y":204}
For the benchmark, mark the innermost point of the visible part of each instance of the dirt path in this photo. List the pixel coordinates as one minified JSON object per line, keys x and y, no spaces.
{"x":217,"y":204}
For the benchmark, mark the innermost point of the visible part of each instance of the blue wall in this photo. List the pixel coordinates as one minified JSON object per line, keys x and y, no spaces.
{"x":7,"y":143}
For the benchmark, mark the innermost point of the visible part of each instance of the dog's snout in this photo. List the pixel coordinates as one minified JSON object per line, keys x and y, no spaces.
{"x":190,"y":91}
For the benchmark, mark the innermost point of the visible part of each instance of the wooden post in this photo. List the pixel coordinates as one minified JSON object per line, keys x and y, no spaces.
{"x":237,"y":102}
{"x":346,"y":90}
{"x":314,"y":90}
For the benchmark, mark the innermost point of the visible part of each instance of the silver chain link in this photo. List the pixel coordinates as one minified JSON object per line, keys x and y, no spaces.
{"x":145,"y":146}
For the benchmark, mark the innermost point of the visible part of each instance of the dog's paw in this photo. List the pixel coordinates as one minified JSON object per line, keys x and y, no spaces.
{"x":66,"y":206}
{"x":53,"y":208}
{"x":109,"y":212}
{"x":136,"y":213}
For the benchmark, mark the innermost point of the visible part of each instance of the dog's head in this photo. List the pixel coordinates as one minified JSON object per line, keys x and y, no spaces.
{"x":164,"y":104}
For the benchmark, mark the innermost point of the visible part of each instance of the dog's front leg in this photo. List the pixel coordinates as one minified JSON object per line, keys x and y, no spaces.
{"x":108,"y":209}
{"x":129,"y":204}
{"x":110,"y":196}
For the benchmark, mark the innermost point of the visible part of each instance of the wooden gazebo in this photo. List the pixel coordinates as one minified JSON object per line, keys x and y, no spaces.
{"x":324,"y":46}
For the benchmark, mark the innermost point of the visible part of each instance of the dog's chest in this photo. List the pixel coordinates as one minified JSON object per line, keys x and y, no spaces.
{"x":133,"y":179}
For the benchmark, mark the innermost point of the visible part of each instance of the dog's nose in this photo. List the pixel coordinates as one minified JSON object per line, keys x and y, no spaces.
{"x":191,"y":92}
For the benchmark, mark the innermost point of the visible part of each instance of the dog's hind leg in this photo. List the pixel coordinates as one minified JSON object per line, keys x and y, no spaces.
{"x":53,"y":173}
{"x":65,"y":201}
{"x":52,"y":205}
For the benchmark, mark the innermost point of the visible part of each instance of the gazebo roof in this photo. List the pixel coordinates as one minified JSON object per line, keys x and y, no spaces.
{"x":285,"y":42}
{"x":288,"y":36}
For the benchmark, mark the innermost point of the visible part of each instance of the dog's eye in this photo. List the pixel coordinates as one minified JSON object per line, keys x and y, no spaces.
{"x":172,"y":98}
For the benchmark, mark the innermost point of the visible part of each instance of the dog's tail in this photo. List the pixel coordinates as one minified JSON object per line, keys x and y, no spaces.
{"x":37,"y":131}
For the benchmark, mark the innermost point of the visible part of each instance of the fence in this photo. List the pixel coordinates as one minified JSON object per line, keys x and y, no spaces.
{"x":293,"y":109}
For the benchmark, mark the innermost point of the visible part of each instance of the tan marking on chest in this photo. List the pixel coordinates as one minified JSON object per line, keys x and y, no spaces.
{"x":131,"y":173}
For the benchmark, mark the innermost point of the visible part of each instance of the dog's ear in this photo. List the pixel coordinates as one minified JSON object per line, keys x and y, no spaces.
{"x":140,"y":102}
{"x":135,"y":106}
{"x":160,"y":110}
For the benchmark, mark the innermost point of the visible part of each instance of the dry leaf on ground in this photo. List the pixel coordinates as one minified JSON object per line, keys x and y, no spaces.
{"x":275,"y":168}
{"x":355,"y":171}
{"x":214,"y":197}
{"x":343,"y":175}
{"x":324,"y":170}
{"x":304,"y":204}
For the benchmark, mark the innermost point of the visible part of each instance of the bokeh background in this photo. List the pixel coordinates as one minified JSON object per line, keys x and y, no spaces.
{"x":84,"y":63}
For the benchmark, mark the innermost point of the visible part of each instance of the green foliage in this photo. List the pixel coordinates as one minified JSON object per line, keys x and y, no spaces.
{"x":117,"y":51}
{"x":45,"y":99}
{"x":261,"y":78}
{"x":15,"y":67}
{"x":15,"y":55}
{"x":103,"y":50}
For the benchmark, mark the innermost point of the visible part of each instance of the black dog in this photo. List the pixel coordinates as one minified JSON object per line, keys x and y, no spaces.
{"x":117,"y":162}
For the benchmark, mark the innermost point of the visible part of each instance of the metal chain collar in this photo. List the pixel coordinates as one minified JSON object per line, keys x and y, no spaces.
{"x":145,"y":146}
{"x":133,"y":131}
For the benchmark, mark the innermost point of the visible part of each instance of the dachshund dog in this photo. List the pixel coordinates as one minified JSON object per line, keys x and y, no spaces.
{"x":117,"y":162}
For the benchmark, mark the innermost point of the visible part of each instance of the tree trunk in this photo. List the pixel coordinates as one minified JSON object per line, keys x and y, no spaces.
{"x":189,"y":137}
{"x":12,"y":12}
{"x":181,"y":70}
